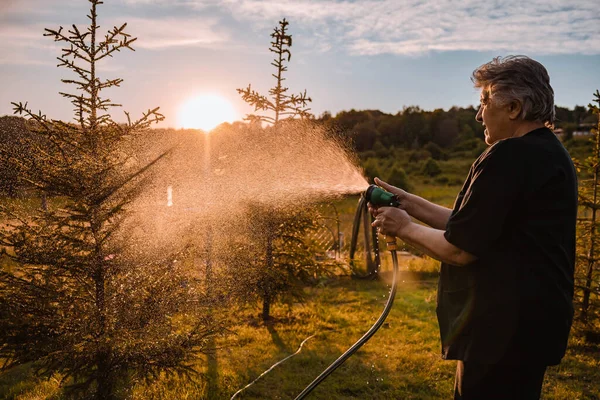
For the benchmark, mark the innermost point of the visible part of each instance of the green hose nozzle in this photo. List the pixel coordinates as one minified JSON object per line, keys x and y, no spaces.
{"x":381,"y":198}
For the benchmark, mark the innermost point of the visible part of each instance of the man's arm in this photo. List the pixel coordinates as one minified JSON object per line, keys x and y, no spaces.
{"x":433,"y":243}
{"x":417,"y":207}
{"x":396,"y":222}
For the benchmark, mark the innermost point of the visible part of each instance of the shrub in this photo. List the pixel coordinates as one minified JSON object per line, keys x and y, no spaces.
{"x":372,"y":168}
{"x":437,"y":153}
{"x":397,"y":177}
{"x":380,"y":150}
{"x":431,"y":168}
{"x":442,"y":180}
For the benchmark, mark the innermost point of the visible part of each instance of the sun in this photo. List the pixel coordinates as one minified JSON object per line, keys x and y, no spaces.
{"x":206,"y":112}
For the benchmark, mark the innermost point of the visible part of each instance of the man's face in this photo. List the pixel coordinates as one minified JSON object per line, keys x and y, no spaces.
{"x":495,"y":118}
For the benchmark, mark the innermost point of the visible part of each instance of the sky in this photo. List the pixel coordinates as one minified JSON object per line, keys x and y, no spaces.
{"x":353,"y":54}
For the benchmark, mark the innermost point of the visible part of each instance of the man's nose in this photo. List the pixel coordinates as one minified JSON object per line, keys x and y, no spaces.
{"x":479,"y":117}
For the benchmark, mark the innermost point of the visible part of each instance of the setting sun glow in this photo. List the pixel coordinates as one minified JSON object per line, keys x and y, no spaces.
{"x":206,"y":112}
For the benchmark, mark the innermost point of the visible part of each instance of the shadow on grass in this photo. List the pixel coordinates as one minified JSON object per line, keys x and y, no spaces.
{"x":276,"y":338}
{"x":21,"y":381}
{"x":578,"y":374}
{"x":16,"y":380}
{"x":212,"y":371}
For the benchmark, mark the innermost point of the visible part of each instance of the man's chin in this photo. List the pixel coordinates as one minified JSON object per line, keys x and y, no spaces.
{"x":487,"y":138}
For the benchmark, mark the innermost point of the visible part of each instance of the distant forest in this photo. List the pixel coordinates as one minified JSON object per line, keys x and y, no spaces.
{"x":413,"y":128}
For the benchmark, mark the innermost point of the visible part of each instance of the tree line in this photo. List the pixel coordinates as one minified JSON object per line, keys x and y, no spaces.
{"x":414,"y":128}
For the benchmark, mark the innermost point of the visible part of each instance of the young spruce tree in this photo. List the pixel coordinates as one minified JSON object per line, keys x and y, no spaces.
{"x":78,"y":299}
{"x":587,"y":281}
{"x":284,"y":262}
{"x":280,"y":104}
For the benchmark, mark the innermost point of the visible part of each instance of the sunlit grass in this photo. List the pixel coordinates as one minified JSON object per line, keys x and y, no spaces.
{"x":402,"y":361}
{"x":389,"y":366}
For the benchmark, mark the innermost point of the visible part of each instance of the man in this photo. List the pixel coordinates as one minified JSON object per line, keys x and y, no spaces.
{"x":507,"y":248}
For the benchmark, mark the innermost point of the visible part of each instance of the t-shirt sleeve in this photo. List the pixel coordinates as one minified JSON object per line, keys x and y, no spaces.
{"x":496,"y":184}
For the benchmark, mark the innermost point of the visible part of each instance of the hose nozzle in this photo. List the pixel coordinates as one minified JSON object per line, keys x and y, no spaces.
{"x":379,"y":197}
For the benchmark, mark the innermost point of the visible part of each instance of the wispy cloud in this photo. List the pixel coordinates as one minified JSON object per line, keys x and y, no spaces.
{"x":22,"y":41}
{"x":371,"y":27}
{"x":24,"y":45}
{"x":160,"y":33}
{"x":360,"y":27}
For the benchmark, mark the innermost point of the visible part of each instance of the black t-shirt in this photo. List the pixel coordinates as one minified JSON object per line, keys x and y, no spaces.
{"x":516,"y":212}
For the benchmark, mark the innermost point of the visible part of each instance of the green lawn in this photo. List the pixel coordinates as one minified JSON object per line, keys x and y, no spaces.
{"x":400,"y":362}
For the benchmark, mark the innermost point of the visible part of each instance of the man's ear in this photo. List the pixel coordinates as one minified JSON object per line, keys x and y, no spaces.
{"x":514,"y":109}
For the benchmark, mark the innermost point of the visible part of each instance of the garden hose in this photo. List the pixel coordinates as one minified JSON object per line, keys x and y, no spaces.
{"x":370,"y":240}
{"x":378,"y":197}
{"x":366,"y":336}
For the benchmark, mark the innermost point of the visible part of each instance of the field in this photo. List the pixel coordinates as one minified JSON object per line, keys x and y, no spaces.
{"x":402,"y":361}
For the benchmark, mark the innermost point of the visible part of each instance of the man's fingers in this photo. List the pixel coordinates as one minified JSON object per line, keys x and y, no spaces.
{"x":385,"y":185}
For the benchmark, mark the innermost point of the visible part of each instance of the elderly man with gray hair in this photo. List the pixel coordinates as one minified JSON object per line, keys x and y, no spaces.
{"x":507,"y":247}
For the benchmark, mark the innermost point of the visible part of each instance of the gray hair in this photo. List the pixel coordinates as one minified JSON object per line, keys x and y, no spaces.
{"x":519,"y":78}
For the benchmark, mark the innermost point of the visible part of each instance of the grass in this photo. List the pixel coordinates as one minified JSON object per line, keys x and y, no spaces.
{"x":401,"y":361}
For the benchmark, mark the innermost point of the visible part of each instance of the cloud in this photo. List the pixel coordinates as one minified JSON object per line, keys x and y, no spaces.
{"x":21,"y":43}
{"x":162,"y":26}
{"x":161,"y":33}
{"x":11,"y":8}
{"x":25,"y":45}
{"x":360,"y":27}
{"x":368,"y":27}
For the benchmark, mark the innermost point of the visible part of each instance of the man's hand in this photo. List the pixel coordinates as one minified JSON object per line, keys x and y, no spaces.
{"x":400,"y":194}
{"x":419,"y":208}
{"x":390,"y":221}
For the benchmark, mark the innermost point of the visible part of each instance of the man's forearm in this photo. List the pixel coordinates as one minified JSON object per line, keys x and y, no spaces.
{"x":427,"y":212}
{"x":433,"y":243}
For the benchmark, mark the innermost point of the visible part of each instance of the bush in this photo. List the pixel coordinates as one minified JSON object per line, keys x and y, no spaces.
{"x":380,"y":150}
{"x":364,"y":155}
{"x":397,"y":177}
{"x":418,"y":155}
{"x":372,"y":168}
{"x":431,"y":168}
{"x":437,"y":153}
{"x":442,"y":180}
{"x":469,"y":144}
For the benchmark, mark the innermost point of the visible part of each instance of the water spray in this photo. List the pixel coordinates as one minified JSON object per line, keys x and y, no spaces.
{"x":377,"y":197}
